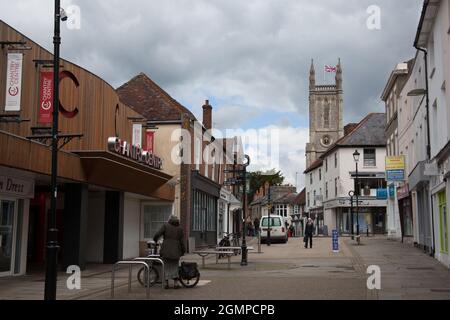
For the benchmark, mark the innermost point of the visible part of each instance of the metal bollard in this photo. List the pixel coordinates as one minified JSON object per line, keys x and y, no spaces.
{"x":259,"y":242}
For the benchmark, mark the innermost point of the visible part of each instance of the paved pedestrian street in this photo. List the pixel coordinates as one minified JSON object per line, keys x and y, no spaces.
{"x":279,"y":272}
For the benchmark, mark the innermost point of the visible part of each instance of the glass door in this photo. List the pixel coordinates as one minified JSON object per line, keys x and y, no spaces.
{"x":7,"y":210}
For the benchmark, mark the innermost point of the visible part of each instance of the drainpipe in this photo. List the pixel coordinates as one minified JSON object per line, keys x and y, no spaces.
{"x":427,"y":108}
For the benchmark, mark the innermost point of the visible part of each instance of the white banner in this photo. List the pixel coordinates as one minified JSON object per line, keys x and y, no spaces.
{"x":137,"y":134}
{"x":13,"y":82}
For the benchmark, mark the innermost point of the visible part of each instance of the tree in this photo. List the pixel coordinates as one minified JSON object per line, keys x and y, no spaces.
{"x":259,"y":178}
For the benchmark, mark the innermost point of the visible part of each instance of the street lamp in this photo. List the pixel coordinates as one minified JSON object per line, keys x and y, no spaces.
{"x":356,"y":155}
{"x":52,"y":232}
{"x":270,"y":206}
{"x":351,"y":194}
{"x":244,"y":200}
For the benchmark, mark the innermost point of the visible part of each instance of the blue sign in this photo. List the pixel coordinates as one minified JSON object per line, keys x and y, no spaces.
{"x":382,"y":193}
{"x":395,"y":175}
{"x":335,"y":239}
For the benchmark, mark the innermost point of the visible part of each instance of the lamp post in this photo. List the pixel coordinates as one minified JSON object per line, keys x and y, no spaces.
{"x":52,"y":245}
{"x":270,"y":206}
{"x":351,"y":194}
{"x":356,"y":158}
{"x":244,"y":200}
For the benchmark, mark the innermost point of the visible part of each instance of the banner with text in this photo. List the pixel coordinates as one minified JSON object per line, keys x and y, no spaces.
{"x":46,"y":97}
{"x":13,"y":81}
{"x":149,"y":141}
{"x":137,"y":134}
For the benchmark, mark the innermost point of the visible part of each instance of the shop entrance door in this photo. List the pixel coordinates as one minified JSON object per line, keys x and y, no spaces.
{"x":443,"y":219}
{"x":7,"y":221}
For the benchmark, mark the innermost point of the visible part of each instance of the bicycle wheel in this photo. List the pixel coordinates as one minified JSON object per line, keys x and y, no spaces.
{"x":142,"y":276}
{"x":190,"y":283}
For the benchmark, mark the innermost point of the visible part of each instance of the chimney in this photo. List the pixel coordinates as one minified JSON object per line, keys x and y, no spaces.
{"x":349,"y":128}
{"x":207,"y":115}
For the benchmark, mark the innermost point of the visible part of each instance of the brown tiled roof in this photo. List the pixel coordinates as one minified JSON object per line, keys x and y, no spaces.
{"x":301,"y":197}
{"x":147,"y":98}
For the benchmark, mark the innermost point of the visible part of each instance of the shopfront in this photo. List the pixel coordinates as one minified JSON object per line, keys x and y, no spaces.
{"x":16,"y":190}
{"x":370,"y":215}
{"x":205,"y":195}
{"x":405,"y":210}
{"x":110,"y":190}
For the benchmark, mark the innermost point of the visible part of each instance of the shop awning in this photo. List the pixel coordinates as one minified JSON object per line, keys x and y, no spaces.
{"x":111,"y":170}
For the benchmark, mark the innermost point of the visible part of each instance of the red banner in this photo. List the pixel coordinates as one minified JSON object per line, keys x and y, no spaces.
{"x":46,"y":97}
{"x":149,"y":141}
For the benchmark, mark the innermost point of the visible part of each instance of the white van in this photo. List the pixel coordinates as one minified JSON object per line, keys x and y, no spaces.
{"x":278,"y":231}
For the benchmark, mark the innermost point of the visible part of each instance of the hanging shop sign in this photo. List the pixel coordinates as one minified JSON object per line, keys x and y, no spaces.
{"x":13,"y":81}
{"x":46,"y":96}
{"x":395,"y":168}
{"x":134,"y":152}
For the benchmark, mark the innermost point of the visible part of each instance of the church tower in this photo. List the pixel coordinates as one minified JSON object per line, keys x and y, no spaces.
{"x":325,"y":114}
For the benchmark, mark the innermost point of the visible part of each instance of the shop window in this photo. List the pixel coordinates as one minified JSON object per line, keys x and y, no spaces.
{"x":154,"y":217}
{"x":204,"y":212}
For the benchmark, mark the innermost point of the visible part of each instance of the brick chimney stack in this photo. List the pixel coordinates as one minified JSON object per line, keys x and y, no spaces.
{"x":207,"y":115}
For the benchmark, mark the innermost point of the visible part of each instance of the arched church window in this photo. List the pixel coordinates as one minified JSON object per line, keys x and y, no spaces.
{"x":326,"y":116}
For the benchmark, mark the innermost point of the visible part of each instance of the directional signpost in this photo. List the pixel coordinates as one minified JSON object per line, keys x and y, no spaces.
{"x":241,"y":180}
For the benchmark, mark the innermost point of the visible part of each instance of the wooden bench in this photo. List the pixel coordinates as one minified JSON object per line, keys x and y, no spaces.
{"x":227,"y":251}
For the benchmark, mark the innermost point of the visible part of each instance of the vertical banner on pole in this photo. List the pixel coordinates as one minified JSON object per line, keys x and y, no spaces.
{"x":137,"y":134}
{"x":335,"y":240}
{"x":46,"y":97}
{"x":149,"y":143}
{"x":13,"y":82}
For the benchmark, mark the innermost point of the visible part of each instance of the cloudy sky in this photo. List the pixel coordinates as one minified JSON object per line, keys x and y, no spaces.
{"x":249,"y":58}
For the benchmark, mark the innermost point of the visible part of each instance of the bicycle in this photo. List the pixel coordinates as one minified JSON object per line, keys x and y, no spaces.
{"x":188,"y":273}
{"x":226,"y":242}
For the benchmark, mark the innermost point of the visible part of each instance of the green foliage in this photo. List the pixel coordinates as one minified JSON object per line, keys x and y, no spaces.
{"x":259,"y":178}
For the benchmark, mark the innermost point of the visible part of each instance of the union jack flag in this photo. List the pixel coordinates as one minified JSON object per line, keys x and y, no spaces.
{"x":330,"y":69}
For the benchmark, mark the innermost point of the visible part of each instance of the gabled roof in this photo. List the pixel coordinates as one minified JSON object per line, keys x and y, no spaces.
{"x":301,"y":197}
{"x":147,"y":98}
{"x":370,"y":132}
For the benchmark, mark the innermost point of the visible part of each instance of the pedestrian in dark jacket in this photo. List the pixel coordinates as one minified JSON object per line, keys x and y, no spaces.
{"x":172,"y":248}
{"x":309,"y":230}
{"x":256,"y":224}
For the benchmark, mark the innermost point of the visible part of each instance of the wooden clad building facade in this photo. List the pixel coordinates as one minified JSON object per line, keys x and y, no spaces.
{"x":101,"y":193}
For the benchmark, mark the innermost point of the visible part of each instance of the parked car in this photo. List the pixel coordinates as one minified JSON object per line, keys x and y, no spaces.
{"x":278,"y":231}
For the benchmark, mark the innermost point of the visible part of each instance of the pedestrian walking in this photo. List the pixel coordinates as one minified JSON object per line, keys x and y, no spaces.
{"x":292,"y":231}
{"x":309,"y":230}
{"x":256,"y":225}
{"x":172,"y":249}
